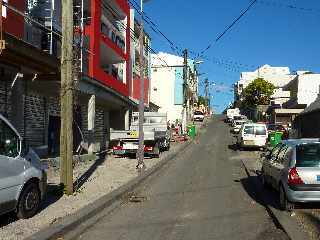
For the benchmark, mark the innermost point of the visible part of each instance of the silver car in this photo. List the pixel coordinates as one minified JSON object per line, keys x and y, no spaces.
{"x":22,"y":179}
{"x":293,"y":169}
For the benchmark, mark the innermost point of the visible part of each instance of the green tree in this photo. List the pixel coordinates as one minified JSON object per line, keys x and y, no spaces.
{"x":202,"y":100}
{"x":257,"y":93}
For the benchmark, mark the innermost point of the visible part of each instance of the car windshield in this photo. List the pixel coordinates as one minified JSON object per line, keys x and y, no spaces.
{"x":198,"y":113}
{"x":271,"y":127}
{"x":308,"y":155}
{"x":248,"y":130}
{"x":260,"y":130}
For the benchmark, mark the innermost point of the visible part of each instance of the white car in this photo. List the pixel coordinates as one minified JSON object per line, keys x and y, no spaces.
{"x":237,"y":125}
{"x":23,"y":181}
{"x":198,"y":116}
{"x":253,"y":135}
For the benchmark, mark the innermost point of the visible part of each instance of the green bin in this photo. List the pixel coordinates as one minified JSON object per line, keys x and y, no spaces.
{"x":192,"y":131}
{"x":275,"y":138}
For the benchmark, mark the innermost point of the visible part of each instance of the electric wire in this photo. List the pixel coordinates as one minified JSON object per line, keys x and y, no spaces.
{"x":243,"y":13}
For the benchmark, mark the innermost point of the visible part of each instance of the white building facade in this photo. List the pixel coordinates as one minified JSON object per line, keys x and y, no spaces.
{"x":278,"y":76}
{"x":304,"y":90}
{"x":163,"y":85}
{"x":167,"y":86}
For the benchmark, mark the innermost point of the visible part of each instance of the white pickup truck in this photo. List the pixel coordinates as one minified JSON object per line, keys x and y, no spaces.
{"x":156,"y":135}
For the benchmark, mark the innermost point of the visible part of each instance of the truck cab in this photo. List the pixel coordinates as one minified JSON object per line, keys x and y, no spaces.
{"x":22,"y":180}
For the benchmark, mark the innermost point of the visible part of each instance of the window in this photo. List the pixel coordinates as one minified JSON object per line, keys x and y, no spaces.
{"x":261,"y":130}
{"x":157,"y":120}
{"x":9,"y":141}
{"x":308,"y":155}
{"x":248,"y":130}
{"x":135,"y":120}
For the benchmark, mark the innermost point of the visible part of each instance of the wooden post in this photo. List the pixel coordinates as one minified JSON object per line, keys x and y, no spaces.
{"x":66,"y":95}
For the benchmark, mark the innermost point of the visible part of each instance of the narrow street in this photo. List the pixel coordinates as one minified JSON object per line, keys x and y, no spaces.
{"x":202,"y":194}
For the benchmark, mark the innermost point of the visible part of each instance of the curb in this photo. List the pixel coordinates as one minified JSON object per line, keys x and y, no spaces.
{"x":280,"y":218}
{"x":70,"y":222}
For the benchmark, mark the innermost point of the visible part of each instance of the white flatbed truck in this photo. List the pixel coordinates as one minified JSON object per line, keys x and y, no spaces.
{"x":156,"y":135}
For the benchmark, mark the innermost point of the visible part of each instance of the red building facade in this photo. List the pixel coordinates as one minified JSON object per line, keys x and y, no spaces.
{"x":13,"y":23}
{"x":108,"y":34}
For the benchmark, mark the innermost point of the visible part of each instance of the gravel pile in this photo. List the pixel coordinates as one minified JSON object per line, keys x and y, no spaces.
{"x":108,"y":176}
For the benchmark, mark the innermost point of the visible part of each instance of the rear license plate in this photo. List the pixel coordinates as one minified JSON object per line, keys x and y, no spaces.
{"x":249,"y":142}
{"x":133,"y":134}
{"x":318,"y":178}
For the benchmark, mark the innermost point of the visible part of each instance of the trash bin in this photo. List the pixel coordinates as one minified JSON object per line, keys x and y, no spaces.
{"x":275,"y":138}
{"x":192,"y":131}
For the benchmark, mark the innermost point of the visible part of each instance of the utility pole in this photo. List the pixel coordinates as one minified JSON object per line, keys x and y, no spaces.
{"x":140,"y":154}
{"x":207,"y":92}
{"x":66,"y":96}
{"x":185,"y":88}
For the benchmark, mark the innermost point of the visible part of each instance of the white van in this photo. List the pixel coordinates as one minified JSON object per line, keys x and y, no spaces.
{"x":253,"y":135}
{"x":23,"y":181}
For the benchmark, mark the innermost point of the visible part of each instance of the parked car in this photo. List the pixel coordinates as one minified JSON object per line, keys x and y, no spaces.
{"x":198,"y":116}
{"x":252,"y":135}
{"x":237,"y":125}
{"x":22,"y":180}
{"x":293,"y":169}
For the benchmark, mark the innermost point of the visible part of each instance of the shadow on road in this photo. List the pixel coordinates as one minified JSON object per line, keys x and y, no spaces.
{"x":248,"y":186}
{"x":258,"y":193}
{"x":233,"y":147}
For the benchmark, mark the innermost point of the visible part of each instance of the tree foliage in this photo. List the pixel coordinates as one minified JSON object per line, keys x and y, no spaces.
{"x":257,"y":93}
{"x":202,"y":101}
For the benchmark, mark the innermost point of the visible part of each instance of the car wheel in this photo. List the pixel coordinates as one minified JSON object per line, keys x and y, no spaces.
{"x":29,"y":201}
{"x":157,"y":151}
{"x":283,"y":200}
{"x":263,"y":180}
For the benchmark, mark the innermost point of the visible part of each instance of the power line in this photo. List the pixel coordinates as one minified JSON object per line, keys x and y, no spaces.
{"x":289,"y":6}
{"x":155,"y":28}
{"x":229,"y":27}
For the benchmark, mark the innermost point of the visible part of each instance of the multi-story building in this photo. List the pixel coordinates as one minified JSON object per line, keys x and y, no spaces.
{"x":278,"y":76}
{"x":304,"y":90}
{"x":167,"y":86}
{"x":30,"y":78}
{"x":135,"y":60}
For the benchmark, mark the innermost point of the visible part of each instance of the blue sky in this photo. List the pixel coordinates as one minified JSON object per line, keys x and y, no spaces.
{"x":275,"y":32}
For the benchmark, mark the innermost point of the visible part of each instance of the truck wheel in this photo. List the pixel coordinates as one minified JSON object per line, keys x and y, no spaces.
{"x":156,"y":151}
{"x":29,"y":201}
{"x":166,"y":145}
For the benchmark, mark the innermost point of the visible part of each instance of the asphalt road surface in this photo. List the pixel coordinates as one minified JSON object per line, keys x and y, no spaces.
{"x":202,"y":194}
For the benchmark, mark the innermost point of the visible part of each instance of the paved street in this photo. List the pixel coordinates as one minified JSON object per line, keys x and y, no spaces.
{"x":203,"y":194}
